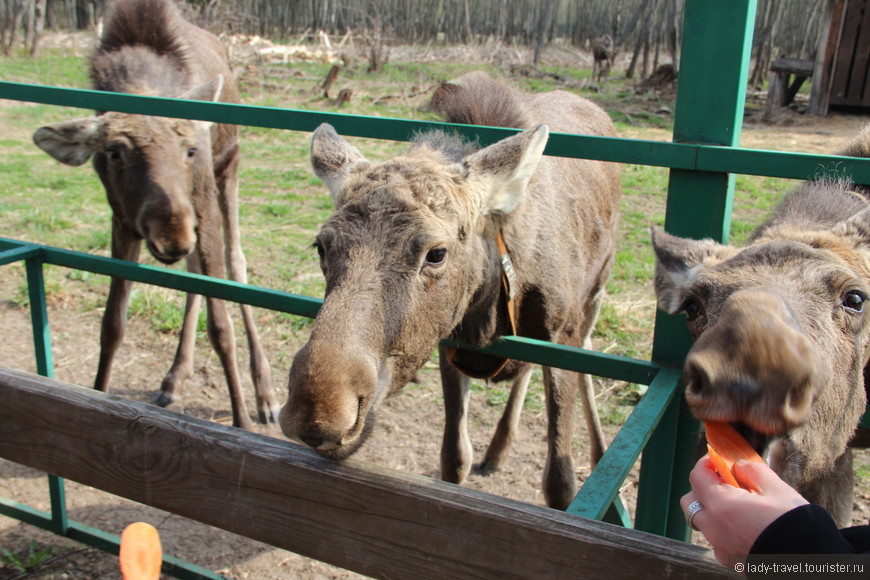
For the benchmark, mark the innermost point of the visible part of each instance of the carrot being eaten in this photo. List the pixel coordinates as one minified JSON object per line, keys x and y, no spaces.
{"x":141,"y":555}
{"x":726,"y":446}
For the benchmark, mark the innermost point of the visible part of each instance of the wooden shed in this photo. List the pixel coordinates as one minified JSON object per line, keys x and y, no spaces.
{"x":841,"y":78}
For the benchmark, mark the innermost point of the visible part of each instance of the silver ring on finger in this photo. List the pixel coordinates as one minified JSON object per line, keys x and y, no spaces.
{"x":692,"y":511}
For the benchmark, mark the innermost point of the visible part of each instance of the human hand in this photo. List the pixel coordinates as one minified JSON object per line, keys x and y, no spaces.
{"x":733,"y":518}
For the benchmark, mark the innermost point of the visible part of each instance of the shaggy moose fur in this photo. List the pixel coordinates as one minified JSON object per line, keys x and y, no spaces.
{"x":410,"y":258}
{"x":170,"y":182}
{"x":781,"y":334}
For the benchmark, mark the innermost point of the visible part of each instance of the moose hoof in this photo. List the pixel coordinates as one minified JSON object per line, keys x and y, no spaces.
{"x":163,"y":399}
{"x":269,"y":416}
{"x":486,"y":468}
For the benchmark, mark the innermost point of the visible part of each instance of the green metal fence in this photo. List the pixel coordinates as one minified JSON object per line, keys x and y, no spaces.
{"x":703,"y":158}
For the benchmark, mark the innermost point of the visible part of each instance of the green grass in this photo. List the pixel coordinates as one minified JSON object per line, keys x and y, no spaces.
{"x":27,"y":561}
{"x":53,"y":67}
{"x":164,"y":309}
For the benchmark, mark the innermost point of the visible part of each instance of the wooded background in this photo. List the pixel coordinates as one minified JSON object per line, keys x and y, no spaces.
{"x":648,"y":30}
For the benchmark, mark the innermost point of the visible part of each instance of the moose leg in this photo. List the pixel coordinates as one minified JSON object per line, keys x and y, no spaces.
{"x":220,"y":327}
{"x":456,"y":450}
{"x":560,"y":482}
{"x":124,"y":247}
{"x":597,"y":444}
{"x":182,"y":366}
{"x":508,"y":425}
{"x":220,"y":334}
{"x":261,"y":373}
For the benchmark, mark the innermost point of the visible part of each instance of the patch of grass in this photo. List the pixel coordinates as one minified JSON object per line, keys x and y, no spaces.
{"x":755,"y":198}
{"x":28,"y":561}
{"x":164,"y":309}
{"x":496,"y":395}
{"x":56,"y":67}
{"x":293,"y":324}
{"x":613,"y":329}
{"x":56,"y":291}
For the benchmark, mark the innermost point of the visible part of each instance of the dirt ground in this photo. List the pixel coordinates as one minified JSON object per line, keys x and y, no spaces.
{"x":407,"y":437}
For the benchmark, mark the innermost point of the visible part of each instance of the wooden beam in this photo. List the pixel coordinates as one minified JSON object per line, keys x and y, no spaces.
{"x":376,"y":522}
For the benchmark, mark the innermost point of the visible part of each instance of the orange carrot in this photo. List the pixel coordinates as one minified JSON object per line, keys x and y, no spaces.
{"x":726,"y":447}
{"x":141,"y":555}
{"x":721,"y":467}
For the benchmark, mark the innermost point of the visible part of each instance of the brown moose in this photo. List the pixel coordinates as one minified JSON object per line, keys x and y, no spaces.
{"x":780,"y":332}
{"x":603,"y":52}
{"x":170,"y":182}
{"x":410,"y":256}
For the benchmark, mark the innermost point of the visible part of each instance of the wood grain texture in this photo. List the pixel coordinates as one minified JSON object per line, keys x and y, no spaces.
{"x":376,"y":522}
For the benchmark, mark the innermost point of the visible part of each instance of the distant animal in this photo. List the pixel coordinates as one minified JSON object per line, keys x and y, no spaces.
{"x":602,"y":57}
{"x":780,"y":332}
{"x":170,"y":182}
{"x":452,"y":240}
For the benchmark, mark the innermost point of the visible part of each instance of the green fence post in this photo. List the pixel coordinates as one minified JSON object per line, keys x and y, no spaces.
{"x":45,"y":367}
{"x":39,"y":315}
{"x":717,"y":39}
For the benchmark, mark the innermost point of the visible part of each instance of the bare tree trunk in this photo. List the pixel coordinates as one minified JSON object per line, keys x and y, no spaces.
{"x":4,"y":25}
{"x":673,"y":32}
{"x":629,"y":28}
{"x":501,"y":30}
{"x":543,"y":25}
{"x":642,"y":41}
{"x":764,"y":46}
{"x":15,"y":13}
{"x":644,"y":67}
{"x":617,"y":19}
{"x":38,"y":26}
{"x":28,"y":18}
{"x":468,"y":35}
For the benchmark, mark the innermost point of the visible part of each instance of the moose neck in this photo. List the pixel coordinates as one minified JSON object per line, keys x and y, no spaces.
{"x":497,"y":318}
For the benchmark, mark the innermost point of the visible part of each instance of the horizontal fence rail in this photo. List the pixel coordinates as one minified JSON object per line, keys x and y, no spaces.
{"x":687,"y":156}
{"x":516,"y":347}
{"x":374,"y":521}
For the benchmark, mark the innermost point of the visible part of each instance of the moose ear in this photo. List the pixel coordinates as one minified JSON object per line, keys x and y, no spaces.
{"x":70,"y":142}
{"x":500,"y":173}
{"x":208,"y":91}
{"x":678,"y":262}
{"x":856,"y":228}
{"x":333,"y":158}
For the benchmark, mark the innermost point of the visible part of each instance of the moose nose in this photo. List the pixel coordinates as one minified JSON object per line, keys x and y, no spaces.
{"x":312,"y":440}
{"x":166,"y":253}
{"x":708,"y":376}
{"x":755,"y":365}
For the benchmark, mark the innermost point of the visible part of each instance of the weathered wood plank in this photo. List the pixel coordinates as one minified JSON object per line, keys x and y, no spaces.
{"x":829,"y":34}
{"x":795,"y":66}
{"x":377,"y":522}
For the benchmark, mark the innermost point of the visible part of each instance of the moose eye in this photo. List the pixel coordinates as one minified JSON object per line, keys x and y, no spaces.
{"x":854,"y":300}
{"x":113,"y":153}
{"x":436,"y":256}
{"x":191,"y":152}
{"x":320,"y":250}
{"x":692,"y":308}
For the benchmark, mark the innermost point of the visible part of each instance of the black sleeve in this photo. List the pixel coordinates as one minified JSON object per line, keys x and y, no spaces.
{"x":809,"y":529}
